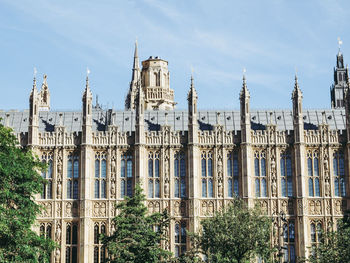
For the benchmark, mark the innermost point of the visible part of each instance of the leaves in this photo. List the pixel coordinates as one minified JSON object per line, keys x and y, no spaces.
{"x":138,"y":236}
{"x":235,"y":234}
{"x":19,"y":182}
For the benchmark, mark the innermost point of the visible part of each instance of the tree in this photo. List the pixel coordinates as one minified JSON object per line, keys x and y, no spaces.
{"x":19,"y":182}
{"x":334,"y":246}
{"x":235,"y":235}
{"x":137,"y":236}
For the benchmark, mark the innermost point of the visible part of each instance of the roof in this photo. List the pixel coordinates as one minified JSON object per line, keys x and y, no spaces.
{"x":177,"y":119}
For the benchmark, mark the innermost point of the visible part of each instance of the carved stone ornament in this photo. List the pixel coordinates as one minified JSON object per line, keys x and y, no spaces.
{"x":58,"y":255}
{"x":99,"y":209}
{"x":58,"y":233}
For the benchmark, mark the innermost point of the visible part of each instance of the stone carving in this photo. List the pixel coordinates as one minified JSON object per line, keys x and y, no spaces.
{"x":318,"y":207}
{"x":154,"y":207}
{"x":284,"y":205}
{"x":338,"y":207}
{"x":207,"y":208}
{"x":311,"y":207}
{"x":69,"y":209}
{"x":264,"y":207}
{"x":59,"y":189}
{"x":274,"y":207}
{"x":328,"y":206}
{"x":177,"y":208}
{"x":273,"y":176}
{"x":58,"y":233}
{"x":46,"y":210}
{"x":57,"y":255}
{"x":113,"y":187}
{"x":275,"y":234}
{"x":58,"y":209}
{"x":99,"y":209}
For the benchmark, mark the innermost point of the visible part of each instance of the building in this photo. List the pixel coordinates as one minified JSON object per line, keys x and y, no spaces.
{"x":290,"y":162}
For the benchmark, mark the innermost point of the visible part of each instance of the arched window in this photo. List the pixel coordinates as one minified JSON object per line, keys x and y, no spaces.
{"x":260,"y":174}
{"x":207,"y":175}
{"x":100,"y":184}
{"x":180,"y":238}
{"x":313,"y":173}
{"x":72,"y":243}
{"x":126,"y":175}
{"x":180,"y":174}
{"x":153,"y":175}
{"x":99,"y":249}
{"x":286,"y":175}
{"x":339,"y":174}
{"x":232,"y":174}
{"x":289,"y":241}
{"x":47,"y":175}
{"x":73,"y":176}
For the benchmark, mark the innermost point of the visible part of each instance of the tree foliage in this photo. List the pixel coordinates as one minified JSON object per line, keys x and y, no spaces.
{"x":137,"y":236}
{"x":334,"y":246}
{"x":234,"y":235}
{"x":19,"y":182}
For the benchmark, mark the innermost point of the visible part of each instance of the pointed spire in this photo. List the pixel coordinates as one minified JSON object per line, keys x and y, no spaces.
{"x":296,"y":91}
{"x":244,"y":91}
{"x":136,"y":57}
{"x":192,"y":93}
{"x":136,"y":65}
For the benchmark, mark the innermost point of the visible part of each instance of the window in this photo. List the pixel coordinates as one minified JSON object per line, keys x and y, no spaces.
{"x":180,"y":238}
{"x":289,"y":242}
{"x":232,"y":174}
{"x":153,"y":175}
{"x":47,"y":175}
{"x":339,"y":174}
{"x":100,"y":183}
{"x":313,"y":173}
{"x":180,"y":174}
{"x":72,"y":243}
{"x":260,"y":174}
{"x":207,"y":174}
{"x":99,"y":249}
{"x":73,"y":177}
{"x":286,"y":175}
{"x":46,"y":230}
{"x":126,"y":175}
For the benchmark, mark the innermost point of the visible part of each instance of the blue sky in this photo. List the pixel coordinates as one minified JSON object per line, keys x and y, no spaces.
{"x":217,"y":38}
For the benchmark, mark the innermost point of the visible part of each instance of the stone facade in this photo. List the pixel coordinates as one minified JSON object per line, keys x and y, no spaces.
{"x":191,"y":162}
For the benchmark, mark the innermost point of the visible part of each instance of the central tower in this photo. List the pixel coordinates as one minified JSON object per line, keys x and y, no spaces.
{"x":156,"y":84}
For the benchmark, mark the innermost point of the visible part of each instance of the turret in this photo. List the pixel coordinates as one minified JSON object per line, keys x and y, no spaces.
{"x":298,"y":122}
{"x":192,"y":114}
{"x":244,"y":98}
{"x":87,"y":113}
{"x":156,"y":84}
{"x":33,"y":128}
{"x":340,"y":82}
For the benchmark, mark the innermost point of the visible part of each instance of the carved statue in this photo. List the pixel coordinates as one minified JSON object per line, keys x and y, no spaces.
{"x":274,"y":188}
{"x":166,"y":187}
{"x":327,"y":187}
{"x":220,"y":190}
{"x":57,"y":255}
{"x":58,"y":233}
{"x":59,"y":189}
{"x":112,"y":188}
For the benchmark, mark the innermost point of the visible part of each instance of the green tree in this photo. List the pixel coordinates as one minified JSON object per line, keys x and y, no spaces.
{"x":334,"y":246}
{"x":19,"y":182}
{"x":137,"y":236}
{"x":234,"y":235}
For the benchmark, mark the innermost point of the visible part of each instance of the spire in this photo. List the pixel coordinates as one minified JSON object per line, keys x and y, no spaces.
{"x":136,"y":65}
{"x":296,"y":91}
{"x":87,"y":91}
{"x":244,"y":91}
{"x":136,"y":58}
{"x":192,"y":94}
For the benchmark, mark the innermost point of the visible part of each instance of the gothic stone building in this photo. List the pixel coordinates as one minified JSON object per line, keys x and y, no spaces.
{"x":190,"y":162}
